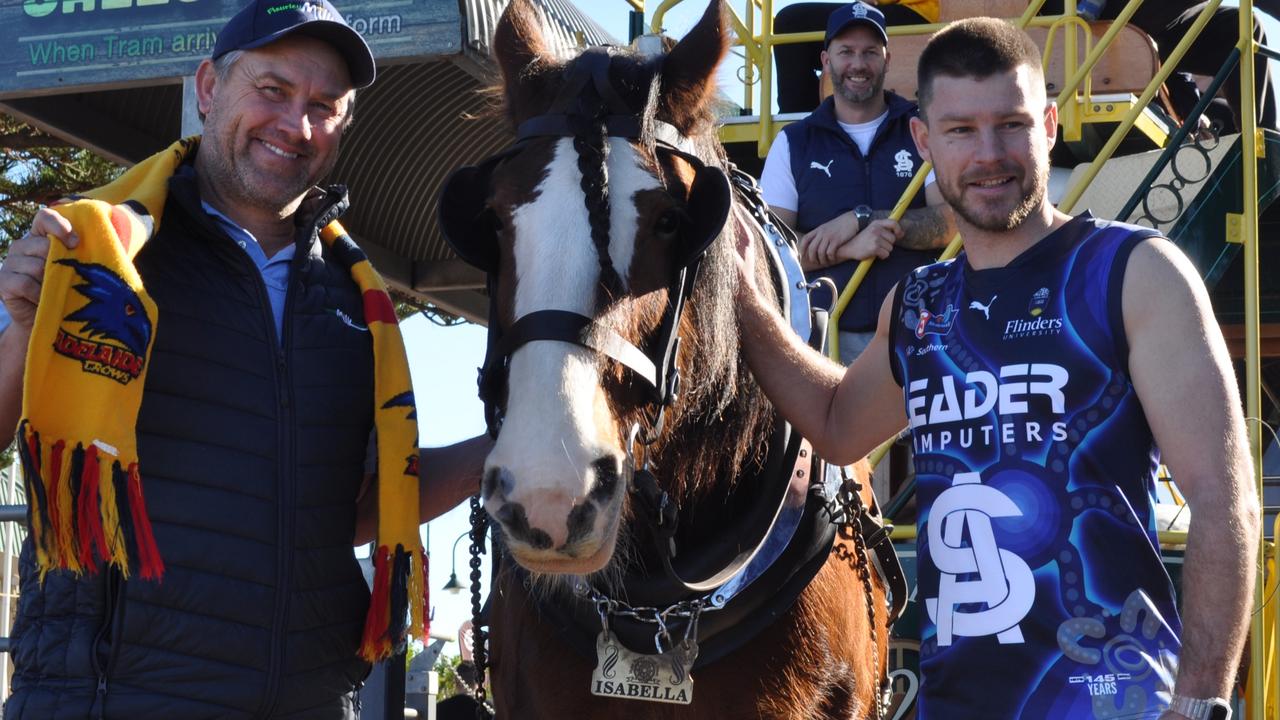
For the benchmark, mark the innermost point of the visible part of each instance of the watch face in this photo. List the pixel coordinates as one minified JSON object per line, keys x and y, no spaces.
{"x":1219,"y":711}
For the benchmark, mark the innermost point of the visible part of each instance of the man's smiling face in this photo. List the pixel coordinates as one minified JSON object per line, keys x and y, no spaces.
{"x":856,"y":61}
{"x":989,"y":142}
{"x":273,"y":122}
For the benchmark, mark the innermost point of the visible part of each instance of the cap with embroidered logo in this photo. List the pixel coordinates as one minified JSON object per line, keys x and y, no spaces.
{"x":856,"y":13}
{"x":265,"y":21}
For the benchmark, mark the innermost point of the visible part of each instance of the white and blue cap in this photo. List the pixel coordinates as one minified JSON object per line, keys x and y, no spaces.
{"x":265,"y":21}
{"x":855,"y":13}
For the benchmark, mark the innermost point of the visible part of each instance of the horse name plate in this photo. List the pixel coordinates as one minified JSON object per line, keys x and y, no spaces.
{"x":621,"y":673}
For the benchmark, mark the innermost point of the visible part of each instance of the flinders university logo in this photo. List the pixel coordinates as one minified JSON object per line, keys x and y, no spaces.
{"x":114,"y":329}
{"x":995,"y":578}
{"x":1039,"y":324}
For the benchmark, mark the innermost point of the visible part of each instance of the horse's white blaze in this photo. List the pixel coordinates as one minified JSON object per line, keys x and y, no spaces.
{"x":627,"y":176}
{"x":551,"y":436}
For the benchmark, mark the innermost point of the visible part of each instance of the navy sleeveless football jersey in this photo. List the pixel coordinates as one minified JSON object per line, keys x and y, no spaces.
{"x":1040,"y":578}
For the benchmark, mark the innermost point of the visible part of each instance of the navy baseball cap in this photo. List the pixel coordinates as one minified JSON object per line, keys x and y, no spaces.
{"x":265,"y":21}
{"x":852,"y":14}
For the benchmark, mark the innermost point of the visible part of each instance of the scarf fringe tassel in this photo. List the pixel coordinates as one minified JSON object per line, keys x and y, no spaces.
{"x":397,"y":605}
{"x":84,"y":512}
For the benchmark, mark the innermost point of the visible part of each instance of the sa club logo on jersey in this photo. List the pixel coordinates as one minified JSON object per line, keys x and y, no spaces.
{"x":979,"y":572}
{"x":936,"y":324}
{"x":904,"y":165}
{"x":114,"y":328}
{"x":405,"y":400}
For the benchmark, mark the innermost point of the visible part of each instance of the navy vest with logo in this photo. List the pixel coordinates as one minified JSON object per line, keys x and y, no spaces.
{"x":833,"y":177}
{"x":1041,"y":586}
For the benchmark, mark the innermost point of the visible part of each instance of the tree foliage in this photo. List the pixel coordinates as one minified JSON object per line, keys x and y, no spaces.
{"x":447,"y":671}
{"x":36,"y":169}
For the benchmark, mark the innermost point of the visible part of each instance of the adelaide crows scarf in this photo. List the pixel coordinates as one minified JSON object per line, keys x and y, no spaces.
{"x":86,"y":369}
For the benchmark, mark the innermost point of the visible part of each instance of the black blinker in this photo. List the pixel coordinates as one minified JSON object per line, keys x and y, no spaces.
{"x":462,"y":214}
{"x":708,"y":209}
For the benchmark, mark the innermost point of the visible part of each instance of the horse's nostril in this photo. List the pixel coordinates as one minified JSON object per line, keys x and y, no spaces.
{"x":581,"y":520}
{"x":606,"y":481}
{"x":516,"y":524}
{"x":498,"y":480}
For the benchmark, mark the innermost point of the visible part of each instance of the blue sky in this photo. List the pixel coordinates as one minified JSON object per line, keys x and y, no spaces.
{"x":444,"y":361}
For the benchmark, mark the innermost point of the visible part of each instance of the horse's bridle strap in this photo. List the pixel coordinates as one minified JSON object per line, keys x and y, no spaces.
{"x":619,"y":126}
{"x":570,"y":327}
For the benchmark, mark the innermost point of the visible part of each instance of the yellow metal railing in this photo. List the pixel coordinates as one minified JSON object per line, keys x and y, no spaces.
{"x":1267,"y":616}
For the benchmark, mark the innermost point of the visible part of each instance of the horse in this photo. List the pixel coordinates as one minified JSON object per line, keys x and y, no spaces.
{"x":668,"y":547}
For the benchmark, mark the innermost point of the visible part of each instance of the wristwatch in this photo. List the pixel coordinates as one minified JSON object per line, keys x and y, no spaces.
{"x":1201,"y":708}
{"x":863,"y":213}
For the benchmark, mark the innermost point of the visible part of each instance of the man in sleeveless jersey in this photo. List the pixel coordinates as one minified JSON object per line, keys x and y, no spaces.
{"x":1043,"y":374}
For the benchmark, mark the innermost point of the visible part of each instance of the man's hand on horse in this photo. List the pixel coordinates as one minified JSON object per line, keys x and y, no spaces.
{"x":746,"y":264}
{"x":23,"y":268}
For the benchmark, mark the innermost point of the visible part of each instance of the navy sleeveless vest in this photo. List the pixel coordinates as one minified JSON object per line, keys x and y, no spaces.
{"x":843,"y":179}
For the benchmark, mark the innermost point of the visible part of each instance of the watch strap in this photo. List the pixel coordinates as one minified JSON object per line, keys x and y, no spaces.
{"x":1201,"y":708}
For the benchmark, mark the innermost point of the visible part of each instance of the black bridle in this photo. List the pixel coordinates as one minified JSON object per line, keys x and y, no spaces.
{"x":586,"y":105}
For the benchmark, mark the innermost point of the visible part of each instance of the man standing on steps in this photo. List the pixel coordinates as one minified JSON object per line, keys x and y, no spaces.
{"x":835,"y":176}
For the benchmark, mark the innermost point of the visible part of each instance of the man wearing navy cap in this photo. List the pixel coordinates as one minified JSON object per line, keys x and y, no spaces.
{"x":254,"y":432}
{"x":835,"y":175}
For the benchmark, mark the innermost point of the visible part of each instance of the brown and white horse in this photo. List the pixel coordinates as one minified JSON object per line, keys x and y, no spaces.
{"x":590,"y":221}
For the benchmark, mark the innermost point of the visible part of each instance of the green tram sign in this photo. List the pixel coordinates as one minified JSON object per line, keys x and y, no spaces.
{"x":51,"y":46}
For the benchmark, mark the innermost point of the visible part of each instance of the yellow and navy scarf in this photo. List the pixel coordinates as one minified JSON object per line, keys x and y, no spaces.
{"x":86,"y":369}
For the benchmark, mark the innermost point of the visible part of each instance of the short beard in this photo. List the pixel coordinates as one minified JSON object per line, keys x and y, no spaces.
{"x":237,"y":182}
{"x":1031,"y":201}
{"x":851,"y":96}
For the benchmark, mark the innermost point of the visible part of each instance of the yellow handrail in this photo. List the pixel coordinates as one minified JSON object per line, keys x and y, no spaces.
{"x":1267,"y":615}
{"x":1256,"y":699}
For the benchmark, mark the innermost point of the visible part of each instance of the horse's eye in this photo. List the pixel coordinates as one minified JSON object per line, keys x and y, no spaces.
{"x":668,"y":223}
{"x":494,"y":220}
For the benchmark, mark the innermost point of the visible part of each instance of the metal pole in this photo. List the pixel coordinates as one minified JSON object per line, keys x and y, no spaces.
{"x":8,"y":494}
{"x":766,"y":79}
{"x":1252,"y":366}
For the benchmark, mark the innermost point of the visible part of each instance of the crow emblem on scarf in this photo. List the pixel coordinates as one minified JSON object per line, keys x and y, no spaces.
{"x":405,"y":399}
{"x":114,"y":330}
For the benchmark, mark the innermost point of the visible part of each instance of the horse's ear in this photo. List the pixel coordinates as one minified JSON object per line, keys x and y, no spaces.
{"x":689,"y":71}
{"x":517,"y":41}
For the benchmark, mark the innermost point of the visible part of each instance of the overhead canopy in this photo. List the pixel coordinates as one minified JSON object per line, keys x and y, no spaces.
{"x":108,"y":75}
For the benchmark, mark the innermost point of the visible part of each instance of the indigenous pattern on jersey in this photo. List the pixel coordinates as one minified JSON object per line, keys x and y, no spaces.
{"x":1040,"y":576}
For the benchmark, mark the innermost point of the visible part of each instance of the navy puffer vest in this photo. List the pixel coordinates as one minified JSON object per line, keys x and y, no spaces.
{"x":252,"y":456}
{"x":833,"y":177}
